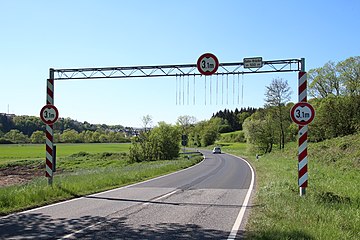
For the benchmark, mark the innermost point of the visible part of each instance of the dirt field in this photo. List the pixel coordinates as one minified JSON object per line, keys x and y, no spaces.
{"x":19,"y":174}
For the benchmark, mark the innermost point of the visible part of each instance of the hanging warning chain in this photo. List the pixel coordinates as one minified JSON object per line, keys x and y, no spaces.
{"x":206,"y":66}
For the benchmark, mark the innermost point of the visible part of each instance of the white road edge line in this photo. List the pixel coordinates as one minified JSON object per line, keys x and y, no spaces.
{"x":240,"y":217}
{"x":112,"y":190}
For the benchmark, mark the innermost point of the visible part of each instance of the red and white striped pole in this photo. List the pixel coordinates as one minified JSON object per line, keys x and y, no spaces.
{"x":303,"y":134}
{"x":49,"y":130}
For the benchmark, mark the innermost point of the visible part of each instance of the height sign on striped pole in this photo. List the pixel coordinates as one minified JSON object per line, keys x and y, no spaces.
{"x":49,"y":114}
{"x":49,"y":133}
{"x":302,"y":113}
{"x":303,"y":136}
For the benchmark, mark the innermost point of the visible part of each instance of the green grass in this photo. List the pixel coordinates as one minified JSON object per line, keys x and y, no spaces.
{"x":10,"y":153}
{"x":84,"y":160}
{"x":235,"y":148}
{"x":84,"y":173}
{"x":233,"y":137}
{"x":331,"y":207}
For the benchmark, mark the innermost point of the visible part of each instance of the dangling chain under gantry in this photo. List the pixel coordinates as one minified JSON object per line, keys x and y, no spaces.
{"x":287,"y":65}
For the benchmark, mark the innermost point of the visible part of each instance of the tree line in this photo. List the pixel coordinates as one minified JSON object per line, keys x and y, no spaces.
{"x":233,"y":120}
{"x":30,"y":129}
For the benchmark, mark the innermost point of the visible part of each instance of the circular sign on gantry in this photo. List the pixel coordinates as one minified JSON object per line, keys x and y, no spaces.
{"x":49,"y":114}
{"x":207,"y":64}
{"x":302,"y":113}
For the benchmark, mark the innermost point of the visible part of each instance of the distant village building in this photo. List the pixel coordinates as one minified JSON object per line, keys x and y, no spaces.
{"x":8,"y":115}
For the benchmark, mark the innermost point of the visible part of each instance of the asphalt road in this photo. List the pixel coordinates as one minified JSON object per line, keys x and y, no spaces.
{"x":202,"y":202}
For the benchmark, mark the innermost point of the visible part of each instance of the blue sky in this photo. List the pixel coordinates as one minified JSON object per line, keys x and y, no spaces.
{"x":38,"y":35}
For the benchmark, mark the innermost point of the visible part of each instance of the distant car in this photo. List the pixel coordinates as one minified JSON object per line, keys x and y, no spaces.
{"x":216,"y":150}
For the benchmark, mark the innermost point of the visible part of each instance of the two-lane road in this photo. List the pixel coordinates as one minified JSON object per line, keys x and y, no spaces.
{"x":206,"y":201}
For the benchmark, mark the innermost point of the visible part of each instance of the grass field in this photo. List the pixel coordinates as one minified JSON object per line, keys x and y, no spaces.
{"x":331,"y":207}
{"x":10,"y":153}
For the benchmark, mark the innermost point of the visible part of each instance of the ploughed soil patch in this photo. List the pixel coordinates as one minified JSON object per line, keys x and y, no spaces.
{"x":19,"y":174}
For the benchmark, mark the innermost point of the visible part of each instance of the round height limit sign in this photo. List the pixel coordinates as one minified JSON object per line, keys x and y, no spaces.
{"x":302,"y":113}
{"x":207,"y":64}
{"x":49,"y":114}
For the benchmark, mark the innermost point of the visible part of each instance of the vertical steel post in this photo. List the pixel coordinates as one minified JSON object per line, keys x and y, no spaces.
{"x":49,"y":129}
{"x":302,"y":150}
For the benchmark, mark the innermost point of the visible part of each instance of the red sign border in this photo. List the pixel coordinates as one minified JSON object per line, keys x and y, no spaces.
{"x":302,"y":104}
{"x":207,"y":55}
{"x":52,"y":107}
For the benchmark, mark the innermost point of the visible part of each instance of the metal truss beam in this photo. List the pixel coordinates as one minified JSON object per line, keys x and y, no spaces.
{"x":287,"y":65}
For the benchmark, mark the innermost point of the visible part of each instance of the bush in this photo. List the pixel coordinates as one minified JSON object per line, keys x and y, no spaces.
{"x":161,"y":143}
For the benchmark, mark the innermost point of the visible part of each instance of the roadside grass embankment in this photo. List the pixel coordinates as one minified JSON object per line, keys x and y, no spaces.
{"x":331,"y":207}
{"x":84,"y":173}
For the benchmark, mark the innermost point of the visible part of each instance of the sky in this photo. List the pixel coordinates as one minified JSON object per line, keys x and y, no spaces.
{"x":41,"y":34}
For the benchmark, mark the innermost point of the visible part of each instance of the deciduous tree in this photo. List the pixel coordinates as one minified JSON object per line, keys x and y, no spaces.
{"x":276,"y":96}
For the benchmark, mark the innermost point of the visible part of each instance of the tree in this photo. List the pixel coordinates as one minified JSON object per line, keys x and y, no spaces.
{"x":242,"y":116}
{"x":277,"y":95}
{"x":147,"y":122}
{"x":232,"y":122}
{"x":6,"y":123}
{"x":325,"y":81}
{"x":70,"y":136}
{"x":57,"y":137}
{"x":335,"y":117}
{"x":86,"y":136}
{"x":349,"y":75}
{"x":165,"y":138}
{"x":16,"y":136}
{"x":210,"y":131}
{"x":186,"y":122}
{"x":259,"y":129}
{"x":95,"y":138}
{"x":38,"y":137}
{"x":338,"y":79}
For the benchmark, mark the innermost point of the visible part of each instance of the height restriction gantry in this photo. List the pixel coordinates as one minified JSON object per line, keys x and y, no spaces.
{"x":287,"y":65}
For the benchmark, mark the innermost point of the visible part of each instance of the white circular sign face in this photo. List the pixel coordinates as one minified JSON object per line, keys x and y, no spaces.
{"x":49,"y":114}
{"x":207,"y":64}
{"x":302,"y":113}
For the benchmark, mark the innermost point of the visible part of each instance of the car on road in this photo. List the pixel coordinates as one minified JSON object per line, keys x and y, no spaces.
{"x":216,"y":150}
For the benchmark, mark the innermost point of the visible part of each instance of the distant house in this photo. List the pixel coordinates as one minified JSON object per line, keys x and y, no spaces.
{"x":8,"y":115}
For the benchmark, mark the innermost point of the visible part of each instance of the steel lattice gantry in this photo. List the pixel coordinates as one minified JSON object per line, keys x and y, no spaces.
{"x":235,"y":68}
{"x":287,"y":65}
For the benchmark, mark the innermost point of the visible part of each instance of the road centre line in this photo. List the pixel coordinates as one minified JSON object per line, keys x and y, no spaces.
{"x":161,"y":197}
